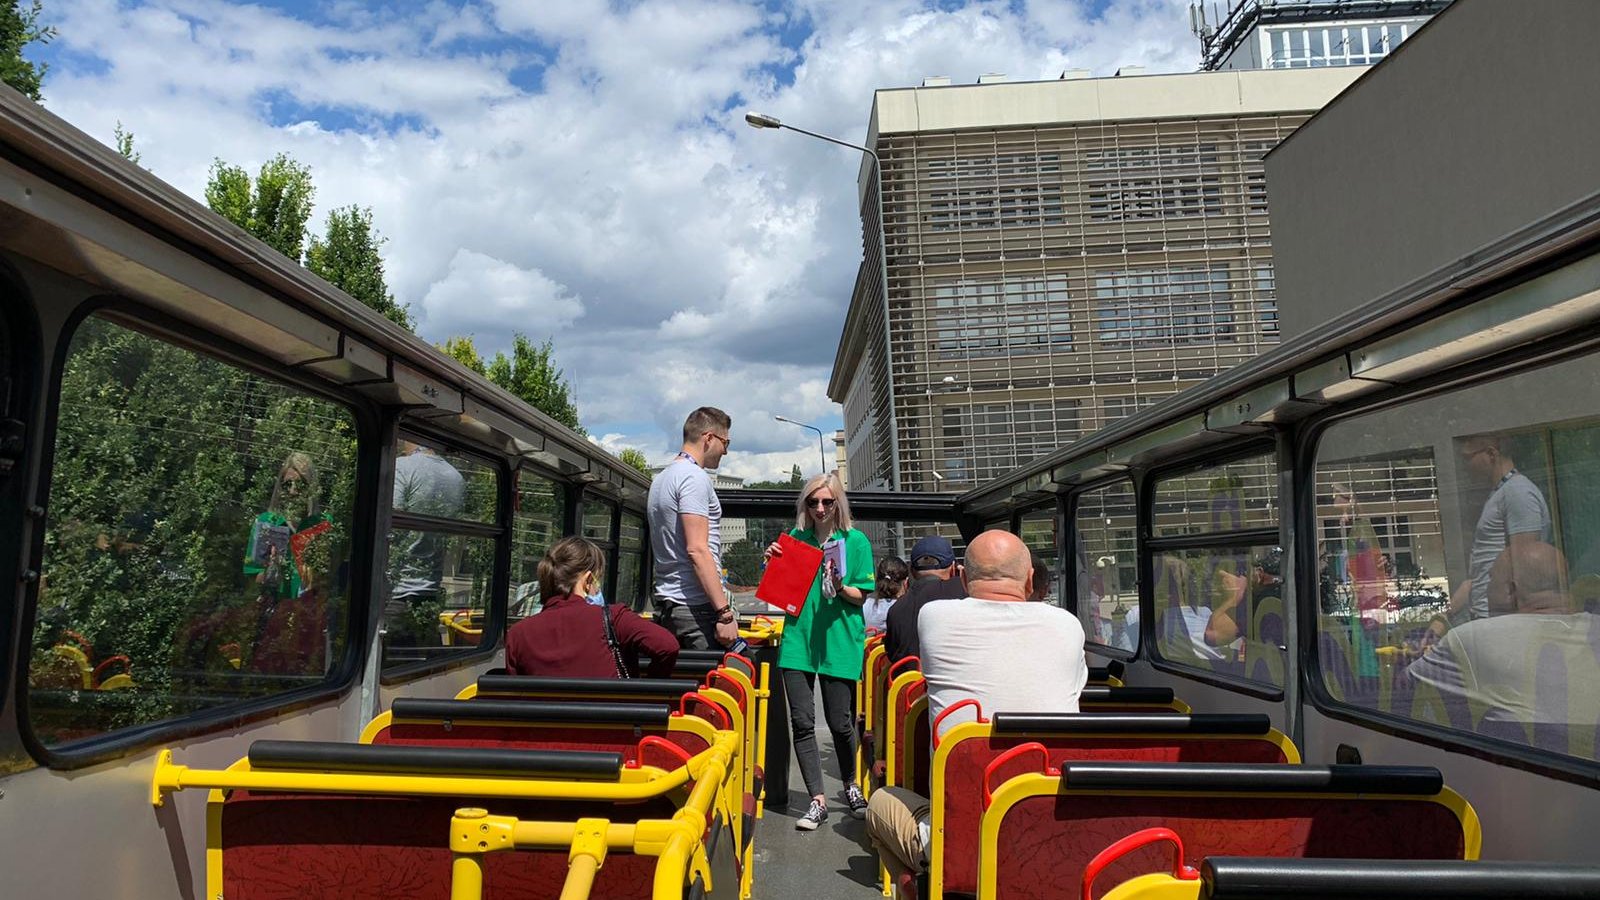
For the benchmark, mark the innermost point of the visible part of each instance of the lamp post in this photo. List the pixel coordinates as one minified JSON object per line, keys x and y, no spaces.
{"x":823,"y":454}
{"x":760,"y":120}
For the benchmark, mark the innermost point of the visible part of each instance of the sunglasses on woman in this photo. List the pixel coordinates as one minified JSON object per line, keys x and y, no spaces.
{"x":819,"y":502}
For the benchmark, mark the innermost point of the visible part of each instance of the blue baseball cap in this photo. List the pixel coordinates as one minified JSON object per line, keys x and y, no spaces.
{"x":936,"y":547}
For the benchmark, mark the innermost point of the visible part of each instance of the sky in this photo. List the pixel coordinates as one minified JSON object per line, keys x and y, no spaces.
{"x":579,"y":170}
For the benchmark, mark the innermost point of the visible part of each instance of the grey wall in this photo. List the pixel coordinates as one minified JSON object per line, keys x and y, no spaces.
{"x":1485,"y":121}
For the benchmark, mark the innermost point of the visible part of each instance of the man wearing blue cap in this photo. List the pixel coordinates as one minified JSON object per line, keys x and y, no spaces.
{"x":933,"y":573}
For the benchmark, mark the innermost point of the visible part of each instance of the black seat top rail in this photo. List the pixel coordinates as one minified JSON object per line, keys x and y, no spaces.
{"x":1099,"y":693}
{"x":337,"y":756}
{"x":1254,"y":778}
{"x":1135,"y":723}
{"x":541,"y":711}
{"x":1112,"y":669}
{"x":1253,"y":878}
{"x":643,"y":688}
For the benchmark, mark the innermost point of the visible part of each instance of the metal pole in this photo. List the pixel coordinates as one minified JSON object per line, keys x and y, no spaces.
{"x":883,"y":288}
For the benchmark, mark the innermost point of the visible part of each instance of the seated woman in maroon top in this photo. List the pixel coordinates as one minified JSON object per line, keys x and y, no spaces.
{"x":567,"y":638}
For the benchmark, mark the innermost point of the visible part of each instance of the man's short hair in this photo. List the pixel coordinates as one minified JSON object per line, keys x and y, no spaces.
{"x":702,"y":420}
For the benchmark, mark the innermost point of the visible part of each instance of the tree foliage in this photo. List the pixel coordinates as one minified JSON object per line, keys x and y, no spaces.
{"x":18,"y":28}
{"x":796,"y":481}
{"x":124,"y":143}
{"x":465,"y":352}
{"x":635,"y":457}
{"x":275,"y":208}
{"x":347,"y":257}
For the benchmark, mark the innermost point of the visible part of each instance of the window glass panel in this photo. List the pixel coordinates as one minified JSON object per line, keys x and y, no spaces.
{"x":1460,"y":560}
{"x":438,"y":597}
{"x":1222,"y":610}
{"x":1229,"y":497}
{"x":535,"y":526}
{"x":597,"y":516}
{"x":430,"y":481}
{"x":630,"y":559}
{"x":198,"y":541}
{"x":1039,"y":533}
{"x":1106,"y":585}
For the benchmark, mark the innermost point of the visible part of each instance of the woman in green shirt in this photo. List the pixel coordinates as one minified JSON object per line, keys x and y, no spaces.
{"x":823,"y":644}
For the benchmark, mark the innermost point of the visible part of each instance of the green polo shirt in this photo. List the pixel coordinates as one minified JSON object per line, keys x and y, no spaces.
{"x":828,"y":635}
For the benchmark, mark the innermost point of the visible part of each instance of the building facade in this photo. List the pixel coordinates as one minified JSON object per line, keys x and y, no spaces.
{"x":1060,"y":254}
{"x":1305,"y":34}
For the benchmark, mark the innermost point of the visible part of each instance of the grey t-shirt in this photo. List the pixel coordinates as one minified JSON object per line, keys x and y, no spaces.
{"x":1515,"y":507}
{"x":682,"y":487}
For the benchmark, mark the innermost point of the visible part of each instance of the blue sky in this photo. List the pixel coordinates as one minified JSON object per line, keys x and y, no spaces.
{"x":579,"y":170}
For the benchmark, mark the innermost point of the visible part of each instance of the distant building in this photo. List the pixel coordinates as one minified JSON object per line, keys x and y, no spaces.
{"x":841,"y":459}
{"x":1061,"y":254}
{"x":1304,"y":34}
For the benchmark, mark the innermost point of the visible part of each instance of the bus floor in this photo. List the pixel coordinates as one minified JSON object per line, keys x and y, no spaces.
{"x":833,"y":861}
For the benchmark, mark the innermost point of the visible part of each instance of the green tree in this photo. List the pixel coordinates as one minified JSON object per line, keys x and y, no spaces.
{"x":465,"y":352}
{"x":634,"y":457}
{"x":18,"y":28}
{"x":124,"y":143}
{"x":347,"y":257}
{"x":275,"y":208}
{"x":530,"y":373}
{"x":795,"y":478}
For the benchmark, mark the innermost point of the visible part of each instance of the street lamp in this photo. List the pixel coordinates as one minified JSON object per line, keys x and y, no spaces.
{"x":761,"y":120}
{"x":820,"y":452}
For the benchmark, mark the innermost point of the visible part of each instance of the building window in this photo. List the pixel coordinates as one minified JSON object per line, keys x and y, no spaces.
{"x":1164,"y":306}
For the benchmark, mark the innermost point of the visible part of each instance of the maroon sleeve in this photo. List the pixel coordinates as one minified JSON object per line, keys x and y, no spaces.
{"x":648,"y":638}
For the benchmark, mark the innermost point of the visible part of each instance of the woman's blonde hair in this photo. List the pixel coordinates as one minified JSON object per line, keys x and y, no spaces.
{"x":841,"y":506}
{"x":565,"y":562}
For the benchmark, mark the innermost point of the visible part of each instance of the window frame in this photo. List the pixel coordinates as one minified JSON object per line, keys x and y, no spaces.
{"x":643,"y":575}
{"x":610,"y":545}
{"x":19,"y":365}
{"x":499,"y":529}
{"x":367,"y":419}
{"x":1314,"y":691}
{"x":1149,"y":545}
{"x":1069,"y":535}
{"x":566,"y":505}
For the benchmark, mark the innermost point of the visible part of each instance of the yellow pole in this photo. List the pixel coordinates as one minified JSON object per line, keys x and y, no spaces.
{"x":466,"y":869}
{"x":580,"y":877}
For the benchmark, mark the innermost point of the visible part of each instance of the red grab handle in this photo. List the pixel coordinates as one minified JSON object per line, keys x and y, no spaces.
{"x":902,"y":661}
{"x":1133,"y":842}
{"x":741,"y":658}
{"x":934,"y":728}
{"x":683,"y":707}
{"x":652,"y":740}
{"x":733,"y":686}
{"x":127,"y":666}
{"x":995,"y":764}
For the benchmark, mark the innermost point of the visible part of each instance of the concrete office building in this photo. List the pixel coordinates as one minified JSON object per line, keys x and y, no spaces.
{"x":1060,"y":255}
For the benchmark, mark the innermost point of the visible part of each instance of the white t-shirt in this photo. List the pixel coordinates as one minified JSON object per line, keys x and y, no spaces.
{"x":1009,"y":656}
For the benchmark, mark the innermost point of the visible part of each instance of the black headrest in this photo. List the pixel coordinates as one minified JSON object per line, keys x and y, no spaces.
{"x":325,"y":756}
{"x":1115,"y":668}
{"x":1248,"y":778}
{"x":1238,"y":878}
{"x":657,"y":688}
{"x":701,"y":655}
{"x":1099,"y":693}
{"x":532,"y":711}
{"x":1137,"y":723}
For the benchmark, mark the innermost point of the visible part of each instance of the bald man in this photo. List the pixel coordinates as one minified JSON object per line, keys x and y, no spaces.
{"x":992,"y":646}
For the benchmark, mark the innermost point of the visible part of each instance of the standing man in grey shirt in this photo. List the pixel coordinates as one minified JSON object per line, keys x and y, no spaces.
{"x":686,"y":537}
{"x":1515,"y":518}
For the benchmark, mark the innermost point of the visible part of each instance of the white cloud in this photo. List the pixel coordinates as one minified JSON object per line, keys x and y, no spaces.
{"x":620,"y":203}
{"x":480,"y":293}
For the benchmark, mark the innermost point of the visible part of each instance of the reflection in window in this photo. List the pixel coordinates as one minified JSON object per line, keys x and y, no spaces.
{"x":197,"y":547}
{"x":1222,"y":610}
{"x":439,"y":578}
{"x":630,"y":561}
{"x":441,"y":608}
{"x":1038,"y":532}
{"x":1106,"y":566}
{"x":535,"y":525}
{"x":1231,"y":497}
{"x":1462,"y":546}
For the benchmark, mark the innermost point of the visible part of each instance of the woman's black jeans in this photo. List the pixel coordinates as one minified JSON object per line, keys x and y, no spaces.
{"x":838,"y":708}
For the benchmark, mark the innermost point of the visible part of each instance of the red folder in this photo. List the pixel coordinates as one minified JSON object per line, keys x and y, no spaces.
{"x":787,"y":581}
